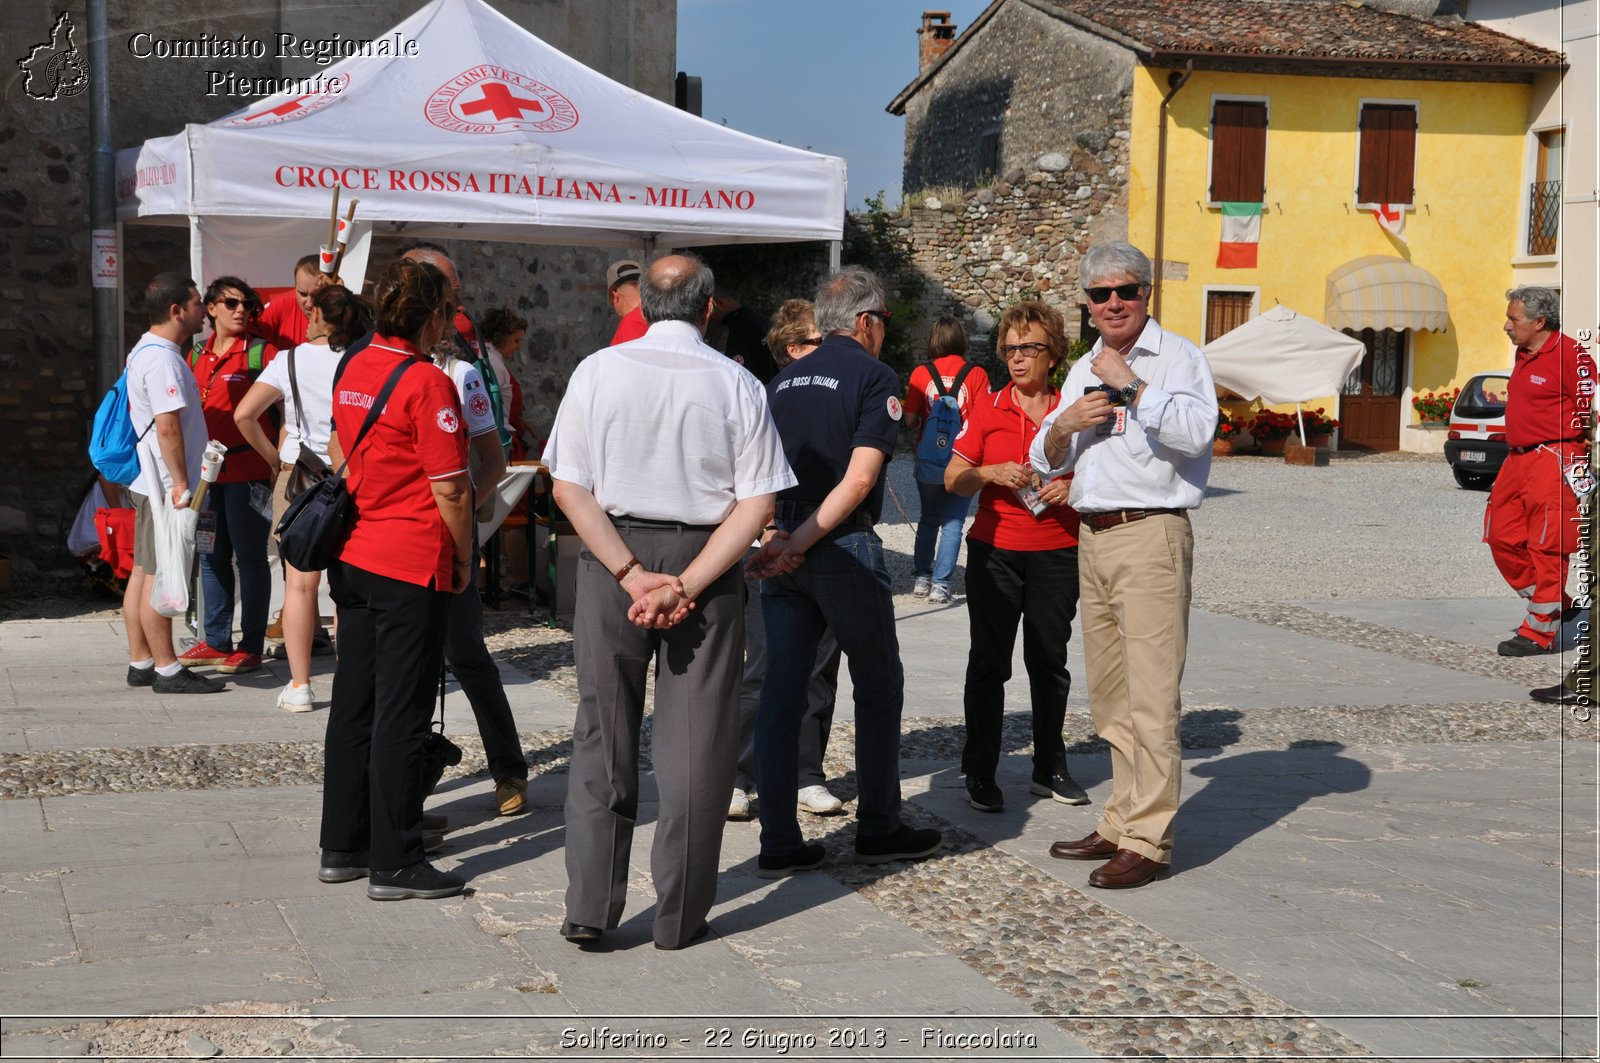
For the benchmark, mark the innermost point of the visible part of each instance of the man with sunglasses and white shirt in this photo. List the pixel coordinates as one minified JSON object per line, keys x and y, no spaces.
{"x":1138,"y":439}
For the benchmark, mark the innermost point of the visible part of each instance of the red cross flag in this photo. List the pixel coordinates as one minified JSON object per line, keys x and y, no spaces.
{"x":1391,"y":219}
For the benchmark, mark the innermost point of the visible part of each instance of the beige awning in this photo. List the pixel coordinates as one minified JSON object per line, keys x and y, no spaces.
{"x":1380,"y":292}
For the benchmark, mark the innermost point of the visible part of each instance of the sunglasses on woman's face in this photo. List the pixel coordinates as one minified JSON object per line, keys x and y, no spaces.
{"x":234,"y":302}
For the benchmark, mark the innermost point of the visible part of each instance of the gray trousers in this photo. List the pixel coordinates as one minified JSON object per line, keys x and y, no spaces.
{"x":695,"y":740}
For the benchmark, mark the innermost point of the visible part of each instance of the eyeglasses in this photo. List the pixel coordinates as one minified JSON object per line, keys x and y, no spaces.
{"x":1126,"y":292}
{"x":806,"y":341}
{"x":233,"y":302}
{"x":1025,"y":350}
{"x":881,"y":315}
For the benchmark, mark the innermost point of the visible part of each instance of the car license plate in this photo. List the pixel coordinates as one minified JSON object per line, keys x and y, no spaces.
{"x":1474,"y":455}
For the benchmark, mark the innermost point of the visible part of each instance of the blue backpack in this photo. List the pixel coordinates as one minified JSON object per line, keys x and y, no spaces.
{"x":944,"y":424}
{"x":112,"y":442}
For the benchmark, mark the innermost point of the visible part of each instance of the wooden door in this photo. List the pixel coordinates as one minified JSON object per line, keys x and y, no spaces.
{"x":1369,"y":406}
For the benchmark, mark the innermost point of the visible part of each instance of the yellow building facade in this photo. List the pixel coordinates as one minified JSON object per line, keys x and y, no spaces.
{"x":1461,"y":226}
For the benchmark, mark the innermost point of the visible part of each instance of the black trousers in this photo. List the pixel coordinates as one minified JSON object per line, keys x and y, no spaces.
{"x":1040,"y":589}
{"x":391,"y":642}
{"x":475,"y":670}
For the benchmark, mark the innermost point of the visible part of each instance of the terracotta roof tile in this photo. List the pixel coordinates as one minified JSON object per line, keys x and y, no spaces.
{"x":1301,"y":29}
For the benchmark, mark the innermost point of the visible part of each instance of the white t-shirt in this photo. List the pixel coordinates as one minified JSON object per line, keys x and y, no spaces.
{"x":314,"y":364}
{"x":667,"y":428}
{"x":475,"y":403}
{"x":160,"y":381}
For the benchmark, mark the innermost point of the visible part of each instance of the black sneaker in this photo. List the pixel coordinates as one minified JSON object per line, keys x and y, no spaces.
{"x":1058,"y":785}
{"x":904,"y":844}
{"x":1520,"y":645}
{"x":784,"y":864}
{"x":421,"y":880}
{"x":141,"y":677}
{"x":984,"y":795}
{"x":340,"y":866}
{"x":186,"y":682}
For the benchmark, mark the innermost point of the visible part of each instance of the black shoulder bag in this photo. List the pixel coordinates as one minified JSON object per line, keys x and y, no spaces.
{"x":308,"y":469}
{"x":317,"y":522}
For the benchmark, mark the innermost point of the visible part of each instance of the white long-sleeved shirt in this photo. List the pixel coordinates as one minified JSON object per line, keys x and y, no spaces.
{"x":1163,"y":458}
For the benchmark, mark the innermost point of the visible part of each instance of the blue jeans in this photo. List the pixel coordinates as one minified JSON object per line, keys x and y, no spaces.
{"x":241,"y":537}
{"x":844,"y":587}
{"x":943,"y":514}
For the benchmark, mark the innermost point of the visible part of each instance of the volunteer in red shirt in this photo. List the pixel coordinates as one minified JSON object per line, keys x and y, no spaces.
{"x":1022,"y":563}
{"x":409,"y":549}
{"x":622,"y":284}
{"x":1531,"y":524}
{"x":938,"y":544}
{"x":284,"y":321}
{"x":240,"y":501}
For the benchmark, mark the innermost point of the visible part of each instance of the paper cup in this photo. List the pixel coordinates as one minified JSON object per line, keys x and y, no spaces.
{"x":327,"y":257}
{"x":345,"y":225}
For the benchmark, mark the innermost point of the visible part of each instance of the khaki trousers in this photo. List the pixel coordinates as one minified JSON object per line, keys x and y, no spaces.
{"x":1133,"y":606}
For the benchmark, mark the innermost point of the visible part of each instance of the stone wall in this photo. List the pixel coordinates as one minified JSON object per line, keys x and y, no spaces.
{"x":1027,"y":79}
{"x":46,"y":341}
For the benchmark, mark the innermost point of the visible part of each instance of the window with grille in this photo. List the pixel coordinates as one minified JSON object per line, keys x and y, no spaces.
{"x":1238,"y":151}
{"x":1226,"y":311}
{"x":1387,"y":167}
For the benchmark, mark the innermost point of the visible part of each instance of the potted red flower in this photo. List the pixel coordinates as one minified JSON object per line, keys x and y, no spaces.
{"x":1319,"y":427}
{"x":1271,"y":430}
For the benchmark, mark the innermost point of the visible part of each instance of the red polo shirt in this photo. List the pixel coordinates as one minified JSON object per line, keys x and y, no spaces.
{"x":399,"y":531}
{"x":920,"y":391}
{"x":282,"y":323}
{"x":223,"y":381}
{"x":998,"y":431}
{"x":1550,"y":390}
{"x":631,"y":327}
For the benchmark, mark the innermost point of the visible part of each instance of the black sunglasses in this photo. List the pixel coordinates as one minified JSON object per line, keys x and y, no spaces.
{"x":233,"y":302}
{"x":881,"y":315}
{"x":1125,"y":292}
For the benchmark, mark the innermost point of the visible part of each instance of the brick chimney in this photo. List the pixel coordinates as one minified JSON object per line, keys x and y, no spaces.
{"x":934,"y":38}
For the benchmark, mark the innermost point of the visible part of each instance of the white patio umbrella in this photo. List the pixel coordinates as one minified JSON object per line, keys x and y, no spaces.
{"x":1283,"y":356}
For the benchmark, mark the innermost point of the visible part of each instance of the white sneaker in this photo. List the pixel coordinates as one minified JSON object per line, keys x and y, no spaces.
{"x":739,"y":805}
{"x":921,"y":586}
{"x":939,"y":594}
{"x":818,"y":801}
{"x":297,"y":699}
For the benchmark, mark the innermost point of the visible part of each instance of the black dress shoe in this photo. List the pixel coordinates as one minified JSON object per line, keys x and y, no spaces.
{"x":1093,"y":847}
{"x":342,"y":866}
{"x":1560,"y":694}
{"x":698,"y":935}
{"x":1522,"y":646}
{"x":1128,"y":870}
{"x":579,"y":934}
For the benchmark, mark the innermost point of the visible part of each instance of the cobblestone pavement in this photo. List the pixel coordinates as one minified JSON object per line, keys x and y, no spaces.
{"x":1390,"y":853}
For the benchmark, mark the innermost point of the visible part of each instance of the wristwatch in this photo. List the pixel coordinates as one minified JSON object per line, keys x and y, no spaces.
{"x":1130,"y":391}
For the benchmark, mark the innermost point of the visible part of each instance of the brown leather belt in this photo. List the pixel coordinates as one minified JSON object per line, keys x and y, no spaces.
{"x":1102,"y":521}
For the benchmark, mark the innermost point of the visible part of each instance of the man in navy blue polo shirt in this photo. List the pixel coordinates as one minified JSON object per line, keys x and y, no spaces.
{"x":838,"y":413}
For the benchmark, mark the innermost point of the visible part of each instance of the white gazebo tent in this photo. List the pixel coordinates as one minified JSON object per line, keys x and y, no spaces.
{"x":1283,"y":356}
{"x":476,"y":130}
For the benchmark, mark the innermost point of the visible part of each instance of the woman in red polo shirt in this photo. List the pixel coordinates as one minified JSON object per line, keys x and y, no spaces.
{"x":225,"y":367}
{"x":410,"y":547}
{"x":1022,"y":562}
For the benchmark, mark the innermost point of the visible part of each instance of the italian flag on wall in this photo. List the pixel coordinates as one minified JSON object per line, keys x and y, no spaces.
{"x":1241,"y":235}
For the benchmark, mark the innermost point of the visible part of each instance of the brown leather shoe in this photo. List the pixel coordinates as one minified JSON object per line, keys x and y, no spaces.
{"x":1093,"y":847}
{"x":1127,"y":870}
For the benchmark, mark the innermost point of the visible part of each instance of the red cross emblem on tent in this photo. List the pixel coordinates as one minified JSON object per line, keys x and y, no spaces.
{"x":493,"y":99}
{"x":293,"y":107}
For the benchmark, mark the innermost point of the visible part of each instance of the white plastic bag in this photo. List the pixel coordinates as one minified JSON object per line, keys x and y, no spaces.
{"x":174,"y":530}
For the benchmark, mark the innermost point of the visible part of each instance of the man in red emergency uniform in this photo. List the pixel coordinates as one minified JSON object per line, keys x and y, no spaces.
{"x":1532,"y":522}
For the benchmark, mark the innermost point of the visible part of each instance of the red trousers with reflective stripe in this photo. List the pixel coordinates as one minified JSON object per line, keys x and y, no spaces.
{"x":1531,"y":526}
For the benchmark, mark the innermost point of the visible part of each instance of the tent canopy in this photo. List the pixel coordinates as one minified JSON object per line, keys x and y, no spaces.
{"x":480,"y":130}
{"x":1283,"y":356}
{"x":1380,"y":292}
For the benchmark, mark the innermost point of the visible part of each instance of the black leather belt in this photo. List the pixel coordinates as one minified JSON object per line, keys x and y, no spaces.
{"x":792,"y":512}
{"x":1101,"y":521}
{"x":1536,"y":446}
{"x":625,"y":522}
